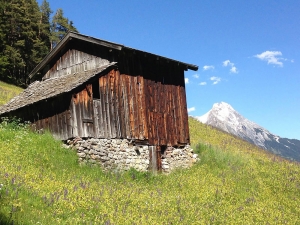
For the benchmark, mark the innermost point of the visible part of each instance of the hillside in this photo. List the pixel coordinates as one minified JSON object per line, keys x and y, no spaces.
{"x":233,"y":183}
{"x":7,"y":92}
{"x":224,"y":117}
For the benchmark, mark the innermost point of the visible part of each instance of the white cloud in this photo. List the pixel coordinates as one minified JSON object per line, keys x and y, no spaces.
{"x":233,"y":68}
{"x":227,"y":62}
{"x":186,"y":80}
{"x":196,"y":76}
{"x":272,"y":57}
{"x":191,"y":109}
{"x":202,"y":83}
{"x":206,"y":67}
{"x":215,"y":79}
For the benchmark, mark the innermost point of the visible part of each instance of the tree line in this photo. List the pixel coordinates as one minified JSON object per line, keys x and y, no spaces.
{"x":28,"y":31}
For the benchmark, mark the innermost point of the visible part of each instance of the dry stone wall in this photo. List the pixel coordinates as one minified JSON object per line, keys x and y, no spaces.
{"x":122,"y":154}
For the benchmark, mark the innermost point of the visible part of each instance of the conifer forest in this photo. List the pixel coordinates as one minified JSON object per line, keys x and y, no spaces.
{"x":28,"y":31}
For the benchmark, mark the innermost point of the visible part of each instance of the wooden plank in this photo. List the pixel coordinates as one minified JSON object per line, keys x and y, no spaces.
{"x":96,"y":119}
{"x":121,"y":107}
{"x":87,"y":111}
{"x":151,"y":123}
{"x":174,"y":116}
{"x":117,"y":103}
{"x":134,"y":88}
{"x":99,"y":111}
{"x":143,"y":110}
{"x":107,"y":108}
{"x":162,"y":105}
{"x":181,"y":116}
{"x":103,"y":105}
{"x":155,"y":114}
{"x":158,"y":155}
{"x":112,"y":104}
{"x":130,"y":107}
{"x":79,"y":115}
{"x":102,"y":131}
{"x":73,"y":119}
{"x":69,"y":119}
{"x":171,"y":123}
{"x":185,"y":116}
{"x":140,"y":112}
{"x":126,"y":105}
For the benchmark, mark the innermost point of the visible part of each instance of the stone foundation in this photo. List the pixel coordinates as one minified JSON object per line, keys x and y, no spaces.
{"x":122,"y":154}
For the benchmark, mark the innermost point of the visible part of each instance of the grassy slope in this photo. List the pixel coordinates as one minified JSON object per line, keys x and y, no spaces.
{"x":8,"y":91}
{"x":43,"y":183}
{"x":234,"y":183}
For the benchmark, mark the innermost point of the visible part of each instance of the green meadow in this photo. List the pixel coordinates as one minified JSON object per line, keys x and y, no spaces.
{"x":233,"y":183}
{"x":8,"y":91}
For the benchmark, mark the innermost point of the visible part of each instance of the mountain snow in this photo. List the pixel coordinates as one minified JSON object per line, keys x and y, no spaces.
{"x":223,"y":116}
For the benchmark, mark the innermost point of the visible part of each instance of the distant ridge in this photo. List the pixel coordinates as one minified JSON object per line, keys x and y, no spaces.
{"x":224,"y":117}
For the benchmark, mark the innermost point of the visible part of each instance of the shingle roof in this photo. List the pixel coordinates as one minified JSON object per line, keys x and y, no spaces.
{"x":41,"y":90}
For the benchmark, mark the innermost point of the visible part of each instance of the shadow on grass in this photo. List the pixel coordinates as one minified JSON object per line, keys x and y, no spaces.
{"x":4,"y":220}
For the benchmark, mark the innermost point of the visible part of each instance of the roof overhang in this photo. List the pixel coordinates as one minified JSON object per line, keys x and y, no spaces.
{"x":72,"y":35}
{"x":52,"y":87}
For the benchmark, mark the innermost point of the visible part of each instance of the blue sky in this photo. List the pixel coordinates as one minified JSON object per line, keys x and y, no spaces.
{"x":248,"y":52}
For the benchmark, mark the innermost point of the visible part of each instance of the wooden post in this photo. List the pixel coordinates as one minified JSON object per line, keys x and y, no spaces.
{"x":158,"y":158}
{"x":155,"y":159}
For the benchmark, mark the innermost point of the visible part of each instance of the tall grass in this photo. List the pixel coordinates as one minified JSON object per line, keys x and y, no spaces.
{"x":44,"y":184}
{"x":7,"y":92}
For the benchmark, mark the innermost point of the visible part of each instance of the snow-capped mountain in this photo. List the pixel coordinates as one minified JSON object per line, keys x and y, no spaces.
{"x":224,"y":117}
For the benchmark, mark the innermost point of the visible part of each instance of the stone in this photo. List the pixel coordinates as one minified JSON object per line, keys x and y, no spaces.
{"x":104,"y":158}
{"x":96,"y":147}
{"x":102,"y":153}
{"x":92,"y":152}
{"x":176,"y":152}
{"x":81,"y":154}
{"x":164,"y":162}
{"x":120,"y":154}
{"x":165,"y":166}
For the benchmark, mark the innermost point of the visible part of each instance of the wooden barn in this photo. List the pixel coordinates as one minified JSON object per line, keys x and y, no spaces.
{"x":87,"y":87}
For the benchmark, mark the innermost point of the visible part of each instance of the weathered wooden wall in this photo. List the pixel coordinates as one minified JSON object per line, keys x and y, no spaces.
{"x":141,"y":109}
{"x":126,"y":106}
{"x":144,"y":100}
{"x":74,"y":61}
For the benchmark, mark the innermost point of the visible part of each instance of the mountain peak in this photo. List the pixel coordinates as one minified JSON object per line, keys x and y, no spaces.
{"x":222,"y":105}
{"x":220,"y":110}
{"x":224,"y":117}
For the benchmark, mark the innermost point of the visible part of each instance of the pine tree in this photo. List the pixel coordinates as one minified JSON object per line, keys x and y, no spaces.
{"x":59,"y":27}
{"x":4,"y":62}
{"x":44,"y":26}
{"x":13,"y":20}
{"x":26,"y":36}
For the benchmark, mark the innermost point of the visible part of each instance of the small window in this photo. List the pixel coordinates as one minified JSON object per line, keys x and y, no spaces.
{"x":96,"y":94}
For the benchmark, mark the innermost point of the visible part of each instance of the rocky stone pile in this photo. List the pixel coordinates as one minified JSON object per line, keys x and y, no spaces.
{"x":122,"y":154}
